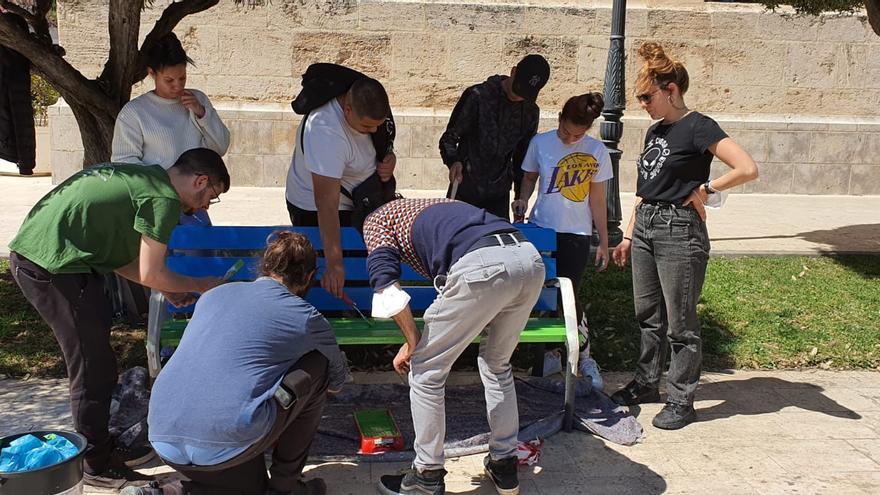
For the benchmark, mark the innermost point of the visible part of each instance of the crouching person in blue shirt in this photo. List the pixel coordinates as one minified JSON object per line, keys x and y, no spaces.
{"x":252,"y":371}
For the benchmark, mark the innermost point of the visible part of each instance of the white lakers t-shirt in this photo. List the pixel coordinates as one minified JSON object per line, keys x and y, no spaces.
{"x":332,"y":149}
{"x":566,"y":172}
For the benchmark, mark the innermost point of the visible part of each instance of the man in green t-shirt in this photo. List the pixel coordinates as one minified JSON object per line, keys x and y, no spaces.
{"x":108,"y":218}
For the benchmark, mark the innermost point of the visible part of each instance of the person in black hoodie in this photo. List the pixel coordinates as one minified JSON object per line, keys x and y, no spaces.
{"x":17,"y":133}
{"x":489,"y":132}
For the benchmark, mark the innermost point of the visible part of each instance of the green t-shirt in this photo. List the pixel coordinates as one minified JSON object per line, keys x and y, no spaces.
{"x":94,"y":220}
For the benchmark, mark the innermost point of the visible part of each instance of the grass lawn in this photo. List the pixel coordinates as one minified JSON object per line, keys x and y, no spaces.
{"x":756,"y":313}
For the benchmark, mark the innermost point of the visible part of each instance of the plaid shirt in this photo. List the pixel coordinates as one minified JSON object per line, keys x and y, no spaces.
{"x":391,"y":227}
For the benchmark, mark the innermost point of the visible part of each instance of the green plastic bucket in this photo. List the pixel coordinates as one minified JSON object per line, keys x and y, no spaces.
{"x":64,"y":478}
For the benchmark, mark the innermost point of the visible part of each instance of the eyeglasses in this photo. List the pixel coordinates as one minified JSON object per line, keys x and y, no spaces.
{"x":647,"y":97}
{"x":216,"y":198}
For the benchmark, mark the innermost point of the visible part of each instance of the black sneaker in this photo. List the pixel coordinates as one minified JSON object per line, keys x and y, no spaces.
{"x":503,"y":474}
{"x":133,"y":456}
{"x":428,"y":482}
{"x":674,"y":416}
{"x":116,"y":477}
{"x":635,"y":393}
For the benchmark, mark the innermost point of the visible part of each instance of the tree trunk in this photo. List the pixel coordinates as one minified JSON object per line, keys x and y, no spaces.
{"x":96,"y":131}
{"x":873,"y":8}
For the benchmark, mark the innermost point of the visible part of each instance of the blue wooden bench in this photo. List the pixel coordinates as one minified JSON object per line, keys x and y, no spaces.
{"x":210,"y":251}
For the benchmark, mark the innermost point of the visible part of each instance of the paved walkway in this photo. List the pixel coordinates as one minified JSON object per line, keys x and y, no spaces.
{"x":748,"y":224}
{"x":759,"y":433}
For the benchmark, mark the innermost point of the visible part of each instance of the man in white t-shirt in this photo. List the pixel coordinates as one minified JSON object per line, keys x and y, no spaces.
{"x":334,"y":150}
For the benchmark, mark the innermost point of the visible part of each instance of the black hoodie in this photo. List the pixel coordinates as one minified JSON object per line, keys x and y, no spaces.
{"x":489,"y":134}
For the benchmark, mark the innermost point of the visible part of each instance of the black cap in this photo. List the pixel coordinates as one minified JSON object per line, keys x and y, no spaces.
{"x":532,"y":73}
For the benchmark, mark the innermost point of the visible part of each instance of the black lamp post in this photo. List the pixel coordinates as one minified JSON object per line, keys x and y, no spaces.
{"x":611,"y":129}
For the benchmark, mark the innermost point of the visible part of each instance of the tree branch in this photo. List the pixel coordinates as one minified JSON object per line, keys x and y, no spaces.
{"x":64,"y":77}
{"x":124,"y":22}
{"x":171,"y":16}
{"x":18,"y":10}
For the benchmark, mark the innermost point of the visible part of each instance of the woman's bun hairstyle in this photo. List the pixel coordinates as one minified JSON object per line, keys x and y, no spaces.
{"x":658,"y":68}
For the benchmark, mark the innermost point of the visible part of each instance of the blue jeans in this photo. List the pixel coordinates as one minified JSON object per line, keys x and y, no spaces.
{"x":670,"y":251}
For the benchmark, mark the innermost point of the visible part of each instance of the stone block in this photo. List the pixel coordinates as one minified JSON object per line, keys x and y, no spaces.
{"x":735,"y":99}
{"x":283,"y":138}
{"x":202,"y":45}
{"x":754,"y":142}
{"x":735,"y":26}
{"x":245,"y":170}
{"x":275,"y":168}
{"x":229,"y":14}
{"x":433,"y":174}
{"x":65,"y":133}
{"x":845,"y":27}
{"x":425,"y":93}
{"x":865,"y":179}
{"x":787,"y":27}
{"x":773,"y":178}
{"x":560,"y":52}
{"x":826,"y":178}
{"x":368,"y":53}
{"x":789,"y":147}
{"x":278,"y":89}
{"x":863,"y":66}
{"x":403,"y":140}
{"x":391,"y":16}
{"x":565,"y":21}
{"x":471,"y":58}
{"x":407,"y":173}
{"x":591,"y":62}
{"x":65,"y":164}
{"x":816,"y":65}
{"x":636,"y":22}
{"x":678,"y":24}
{"x":475,"y":18}
{"x":420,"y":56}
{"x":425,"y":141}
{"x":841,"y":101}
{"x":251,"y":137}
{"x":869,"y":153}
{"x":835,"y":147}
{"x":238,"y":51}
{"x":296,"y":15}
{"x":738,"y":65}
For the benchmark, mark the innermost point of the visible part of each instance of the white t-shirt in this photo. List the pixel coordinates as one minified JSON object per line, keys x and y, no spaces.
{"x":566,"y":172}
{"x":332,"y":149}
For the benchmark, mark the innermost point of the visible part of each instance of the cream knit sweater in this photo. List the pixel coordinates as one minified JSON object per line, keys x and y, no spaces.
{"x":153,"y":130}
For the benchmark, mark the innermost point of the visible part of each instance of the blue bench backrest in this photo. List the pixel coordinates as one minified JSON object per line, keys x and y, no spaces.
{"x":200,"y":251}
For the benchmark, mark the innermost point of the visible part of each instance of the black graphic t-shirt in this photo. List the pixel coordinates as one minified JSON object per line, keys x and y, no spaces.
{"x":676,"y":158}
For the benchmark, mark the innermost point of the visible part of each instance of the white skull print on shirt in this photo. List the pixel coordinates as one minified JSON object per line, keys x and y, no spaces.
{"x":652,"y":159}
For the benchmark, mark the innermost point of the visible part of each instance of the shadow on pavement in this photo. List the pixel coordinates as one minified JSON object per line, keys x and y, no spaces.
{"x":764,"y":395}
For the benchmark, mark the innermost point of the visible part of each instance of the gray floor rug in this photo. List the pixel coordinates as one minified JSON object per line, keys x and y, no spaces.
{"x":540,"y":410}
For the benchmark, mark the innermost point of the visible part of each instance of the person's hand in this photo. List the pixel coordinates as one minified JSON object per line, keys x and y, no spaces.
{"x":179,"y":299}
{"x":402,"y":360}
{"x":333,"y":279}
{"x":385,"y":168}
{"x":697,"y":198}
{"x":519,"y":210}
{"x":602,"y":256}
{"x":621,"y":253}
{"x":456,"y":172}
{"x":189,"y":100}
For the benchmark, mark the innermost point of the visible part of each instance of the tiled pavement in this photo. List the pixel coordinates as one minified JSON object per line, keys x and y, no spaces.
{"x":759,"y":432}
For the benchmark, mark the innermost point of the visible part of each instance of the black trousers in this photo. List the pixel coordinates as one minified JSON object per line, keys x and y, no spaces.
{"x":77,"y":310}
{"x":306,"y":218}
{"x":572,"y":255}
{"x":291,"y":436}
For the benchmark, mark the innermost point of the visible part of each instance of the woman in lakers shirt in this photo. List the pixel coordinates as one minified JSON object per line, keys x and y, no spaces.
{"x":571,"y":196}
{"x":667,"y":234}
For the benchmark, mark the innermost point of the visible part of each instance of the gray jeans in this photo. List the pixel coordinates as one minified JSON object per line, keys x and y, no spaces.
{"x":492,"y":288}
{"x":670,"y":251}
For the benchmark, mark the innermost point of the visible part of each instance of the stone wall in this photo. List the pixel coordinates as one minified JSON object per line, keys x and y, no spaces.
{"x":800,"y":93}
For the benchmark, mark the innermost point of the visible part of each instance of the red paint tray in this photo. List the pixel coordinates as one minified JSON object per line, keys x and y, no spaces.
{"x":378,"y":430}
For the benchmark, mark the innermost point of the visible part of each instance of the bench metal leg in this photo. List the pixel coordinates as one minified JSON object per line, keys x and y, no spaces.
{"x":155,"y":319}
{"x":572,"y":343}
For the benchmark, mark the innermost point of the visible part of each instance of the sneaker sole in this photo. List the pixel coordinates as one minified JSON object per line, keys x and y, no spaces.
{"x":141,"y":460}
{"x":502,"y":491}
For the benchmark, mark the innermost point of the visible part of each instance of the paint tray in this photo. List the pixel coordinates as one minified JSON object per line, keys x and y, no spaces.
{"x":378,"y":431}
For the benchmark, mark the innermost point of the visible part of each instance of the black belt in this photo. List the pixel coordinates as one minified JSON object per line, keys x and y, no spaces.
{"x":498,"y":239}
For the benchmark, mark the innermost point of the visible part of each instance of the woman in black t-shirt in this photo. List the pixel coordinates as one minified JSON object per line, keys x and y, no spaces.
{"x":667,"y":236}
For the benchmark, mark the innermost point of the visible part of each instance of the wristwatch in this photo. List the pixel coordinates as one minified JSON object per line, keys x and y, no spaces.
{"x":708,"y":187}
